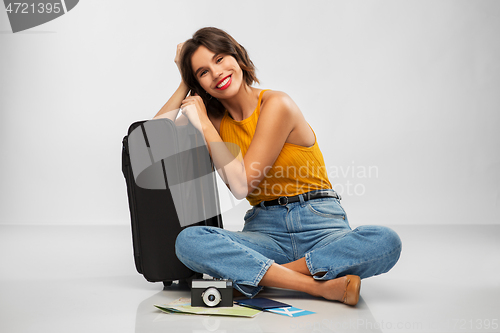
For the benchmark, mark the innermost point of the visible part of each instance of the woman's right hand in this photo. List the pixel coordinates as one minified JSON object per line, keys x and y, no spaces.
{"x":177,"y":59}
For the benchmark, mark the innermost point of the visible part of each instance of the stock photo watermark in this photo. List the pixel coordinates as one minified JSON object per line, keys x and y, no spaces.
{"x":454,"y":325}
{"x":27,"y":14}
{"x":356,"y":173}
{"x":346,"y":180}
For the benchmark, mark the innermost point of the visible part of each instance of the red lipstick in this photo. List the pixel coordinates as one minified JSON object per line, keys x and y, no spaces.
{"x":225,"y":86}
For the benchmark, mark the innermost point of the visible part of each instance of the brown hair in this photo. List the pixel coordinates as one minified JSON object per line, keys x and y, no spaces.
{"x":219,"y":42}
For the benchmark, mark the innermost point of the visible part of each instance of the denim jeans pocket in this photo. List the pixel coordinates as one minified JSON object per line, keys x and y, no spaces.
{"x":326,"y":208}
{"x":251,"y":214}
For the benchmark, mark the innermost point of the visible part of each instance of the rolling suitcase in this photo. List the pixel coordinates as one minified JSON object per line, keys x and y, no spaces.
{"x":171,"y":186}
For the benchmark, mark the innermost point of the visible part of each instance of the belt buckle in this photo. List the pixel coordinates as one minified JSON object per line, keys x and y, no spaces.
{"x":282,"y":204}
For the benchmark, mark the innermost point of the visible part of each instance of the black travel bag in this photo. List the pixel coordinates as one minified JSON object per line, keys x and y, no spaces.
{"x":173,"y":187}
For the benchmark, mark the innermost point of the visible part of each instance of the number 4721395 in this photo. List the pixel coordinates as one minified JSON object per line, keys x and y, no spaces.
{"x":25,"y":8}
{"x":478,"y":324}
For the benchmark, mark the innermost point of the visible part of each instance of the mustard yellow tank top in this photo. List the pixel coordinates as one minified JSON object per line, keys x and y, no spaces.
{"x":297,"y":169}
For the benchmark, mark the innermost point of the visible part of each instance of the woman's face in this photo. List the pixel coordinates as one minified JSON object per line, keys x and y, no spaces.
{"x":218,"y":74}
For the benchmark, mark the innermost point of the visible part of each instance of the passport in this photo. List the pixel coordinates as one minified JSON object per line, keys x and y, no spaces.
{"x":261,"y":303}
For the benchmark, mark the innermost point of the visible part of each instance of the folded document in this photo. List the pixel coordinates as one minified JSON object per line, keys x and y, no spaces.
{"x":183,"y":305}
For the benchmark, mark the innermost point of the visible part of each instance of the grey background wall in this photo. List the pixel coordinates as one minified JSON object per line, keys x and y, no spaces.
{"x":403,"y":96}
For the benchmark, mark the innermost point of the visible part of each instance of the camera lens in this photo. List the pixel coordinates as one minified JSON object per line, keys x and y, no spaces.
{"x":211,"y":296}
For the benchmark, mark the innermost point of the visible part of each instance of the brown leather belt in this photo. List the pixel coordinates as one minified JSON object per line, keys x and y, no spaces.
{"x":282,"y":201}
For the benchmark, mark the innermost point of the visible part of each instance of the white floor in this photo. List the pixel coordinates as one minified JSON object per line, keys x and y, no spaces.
{"x":83,"y":279}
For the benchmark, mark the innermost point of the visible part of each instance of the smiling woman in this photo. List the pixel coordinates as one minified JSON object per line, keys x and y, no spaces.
{"x":224,"y":54}
{"x":297,"y":235}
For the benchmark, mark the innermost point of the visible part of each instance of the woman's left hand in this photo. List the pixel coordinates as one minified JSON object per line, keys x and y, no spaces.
{"x":193,"y":108}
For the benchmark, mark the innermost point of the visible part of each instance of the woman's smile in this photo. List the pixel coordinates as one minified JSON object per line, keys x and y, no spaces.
{"x":224,"y":83}
{"x":216,"y":72}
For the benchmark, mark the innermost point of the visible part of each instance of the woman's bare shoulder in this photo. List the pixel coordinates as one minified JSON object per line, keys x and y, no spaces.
{"x":279,"y":100}
{"x":275,"y":95}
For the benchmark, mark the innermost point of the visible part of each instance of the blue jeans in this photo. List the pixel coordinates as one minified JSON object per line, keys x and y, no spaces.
{"x":316,"y":229}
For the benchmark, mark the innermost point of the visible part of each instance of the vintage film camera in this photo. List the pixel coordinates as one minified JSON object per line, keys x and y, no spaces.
{"x":211,"y":293}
